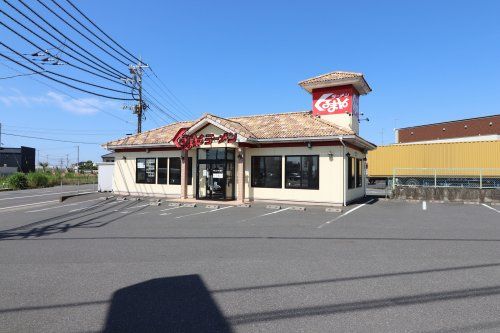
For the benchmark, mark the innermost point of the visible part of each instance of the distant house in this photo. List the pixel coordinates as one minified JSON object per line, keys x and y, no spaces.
{"x":17,"y":159}
{"x":108,"y":157}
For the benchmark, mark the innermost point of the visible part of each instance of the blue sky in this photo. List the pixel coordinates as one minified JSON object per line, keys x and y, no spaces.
{"x":426,"y":61}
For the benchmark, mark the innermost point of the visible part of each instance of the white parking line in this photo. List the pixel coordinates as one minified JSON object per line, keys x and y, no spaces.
{"x":207,"y":211}
{"x":256,"y":217}
{"x":424,"y":205}
{"x":28,"y":205}
{"x":346,"y":213}
{"x":162,"y":210}
{"x":63,"y":206}
{"x":496,"y":210}
{"x":41,"y":195}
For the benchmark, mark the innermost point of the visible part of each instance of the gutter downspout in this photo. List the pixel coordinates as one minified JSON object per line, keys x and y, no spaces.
{"x":344,"y":194}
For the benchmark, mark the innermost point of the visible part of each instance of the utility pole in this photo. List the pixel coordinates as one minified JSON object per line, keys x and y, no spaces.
{"x":67,"y":160}
{"x":137,"y":71}
{"x":0,"y":135}
{"x":77,"y":159}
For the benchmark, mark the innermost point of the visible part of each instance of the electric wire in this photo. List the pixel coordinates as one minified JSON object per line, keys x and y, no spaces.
{"x":50,"y":139}
{"x":66,"y":77}
{"x":50,"y":54}
{"x":174,"y":96}
{"x":79,"y":32}
{"x":70,"y":96}
{"x":105,"y":34}
{"x":64,"y":36}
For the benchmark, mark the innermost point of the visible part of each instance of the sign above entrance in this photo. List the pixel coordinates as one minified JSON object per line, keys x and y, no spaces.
{"x":188,"y":141}
{"x":335,"y":100}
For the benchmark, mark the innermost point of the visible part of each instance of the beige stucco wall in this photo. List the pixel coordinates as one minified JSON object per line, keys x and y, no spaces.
{"x":330,"y":176}
{"x":124,"y":175}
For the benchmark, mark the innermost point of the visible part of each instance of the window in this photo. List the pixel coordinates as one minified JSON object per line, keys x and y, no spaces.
{"x":174,"y":170}
{"x":162,"y":170}
{"x":145,"y":171}
{"x":359,"y":172}
{"x":266,"y":171}
{"x":302,"y":172}
{"x":351,"y":172}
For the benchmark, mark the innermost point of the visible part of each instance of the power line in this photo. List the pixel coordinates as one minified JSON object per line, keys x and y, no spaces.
{"x":105,"y":34}
{"x":60,"y":75}
{"x":69,"y":95}
{"x":50,"y":54}
{"x":163,"y":83}
{"x":65,"y":36}
{"x":17,"y":75}
{"x":50,"y":139}
{"x":78,"y":31}
{"x":62,"y":82}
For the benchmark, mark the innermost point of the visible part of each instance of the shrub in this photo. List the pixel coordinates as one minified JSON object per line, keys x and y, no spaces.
{"x":38,"y":179}
{"x":18,"y":181}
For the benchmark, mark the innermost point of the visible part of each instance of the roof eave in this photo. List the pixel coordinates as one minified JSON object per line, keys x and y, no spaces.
{"x":359,"y":83}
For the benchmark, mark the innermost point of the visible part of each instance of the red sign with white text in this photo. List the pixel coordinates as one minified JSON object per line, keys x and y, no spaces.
{"x":335,"y":100}
{"x":186,"y":141}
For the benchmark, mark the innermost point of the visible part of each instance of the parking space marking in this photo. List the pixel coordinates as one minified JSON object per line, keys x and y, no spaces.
{"x":256,"y":217}
{"x":82,"y":208}
{"x":162,"y":210}
{"x":63,"y":206}
{"x":41,"y":195}
{"x":424,"y":205}
{"x":207,"y":211}
{"x":28,"y":205}
{"x":496,"y":210}
{"x":346,"y":213}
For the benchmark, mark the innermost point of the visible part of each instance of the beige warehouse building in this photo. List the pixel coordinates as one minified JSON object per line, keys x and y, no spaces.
{"x":314,"y":156}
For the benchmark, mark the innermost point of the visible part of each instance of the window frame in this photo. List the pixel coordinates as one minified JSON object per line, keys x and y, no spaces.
{"x":189,"y":175}
{"x":252,"y":173}
{"x":145,"y":172}
{"x":301,"y":172}
{"x":165,"y":182}
{"x":351,"y":173}
{"x":359,"y":173}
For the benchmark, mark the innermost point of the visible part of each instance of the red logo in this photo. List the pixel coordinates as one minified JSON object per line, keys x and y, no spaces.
{"x":186,"y":142}
{"x":335,"y":100}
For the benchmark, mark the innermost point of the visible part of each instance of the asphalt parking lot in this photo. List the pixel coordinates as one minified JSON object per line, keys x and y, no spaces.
{"x":92,"y":265}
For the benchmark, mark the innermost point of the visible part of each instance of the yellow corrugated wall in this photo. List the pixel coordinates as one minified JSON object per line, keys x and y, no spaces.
{"x":456,"y":155}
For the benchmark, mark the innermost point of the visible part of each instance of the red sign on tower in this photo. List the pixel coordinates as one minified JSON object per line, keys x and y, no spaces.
{"x":335,"y":100}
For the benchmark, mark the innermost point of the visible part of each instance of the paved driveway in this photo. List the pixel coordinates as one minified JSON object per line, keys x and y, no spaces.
{"x":91,"y":265}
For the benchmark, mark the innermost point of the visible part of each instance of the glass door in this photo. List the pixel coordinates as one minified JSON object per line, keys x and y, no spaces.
{"x":215,"y":174}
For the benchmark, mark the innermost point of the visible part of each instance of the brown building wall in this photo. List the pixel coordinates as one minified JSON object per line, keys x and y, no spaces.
{"x":453,"y":129}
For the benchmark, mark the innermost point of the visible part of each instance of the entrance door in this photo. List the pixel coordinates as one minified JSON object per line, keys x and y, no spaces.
{"x":215,"y":174}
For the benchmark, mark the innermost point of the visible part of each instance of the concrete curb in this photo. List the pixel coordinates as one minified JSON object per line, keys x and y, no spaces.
{"x":245,"y":205}
{"x":333,"y":210}
{"x":189,"y":205}
{"x":174,"y":204}
{"x":212,"y":206}
{"x":302,"y":209}
{"x":273,"y":207}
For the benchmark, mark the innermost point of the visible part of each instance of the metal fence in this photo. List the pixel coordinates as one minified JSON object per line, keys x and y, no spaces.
{"x":439,"y":177}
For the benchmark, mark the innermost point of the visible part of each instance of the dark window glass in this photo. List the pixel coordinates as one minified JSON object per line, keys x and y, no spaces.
{"x":351,"y":172}
{"x":145,"y":170}
{"x":266,"y":171}
{"x":162,"y":170}
{"x":302,"y":172}
{"x":190,"y":171}
{"x":174,"y":171}
{"x":359,"y":173}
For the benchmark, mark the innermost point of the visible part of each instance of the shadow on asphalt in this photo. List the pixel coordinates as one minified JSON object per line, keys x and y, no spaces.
{"x":90,"y":217}
{"x":185,"y":304}
{"x":173,"y":304}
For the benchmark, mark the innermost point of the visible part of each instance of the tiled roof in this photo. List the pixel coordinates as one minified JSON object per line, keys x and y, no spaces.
{"x":155,"y":136}
{"x":332,"y":76}
{"x":269,"y":126}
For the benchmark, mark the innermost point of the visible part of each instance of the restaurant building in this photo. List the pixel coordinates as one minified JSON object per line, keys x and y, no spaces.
{"x":312,"y":156}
